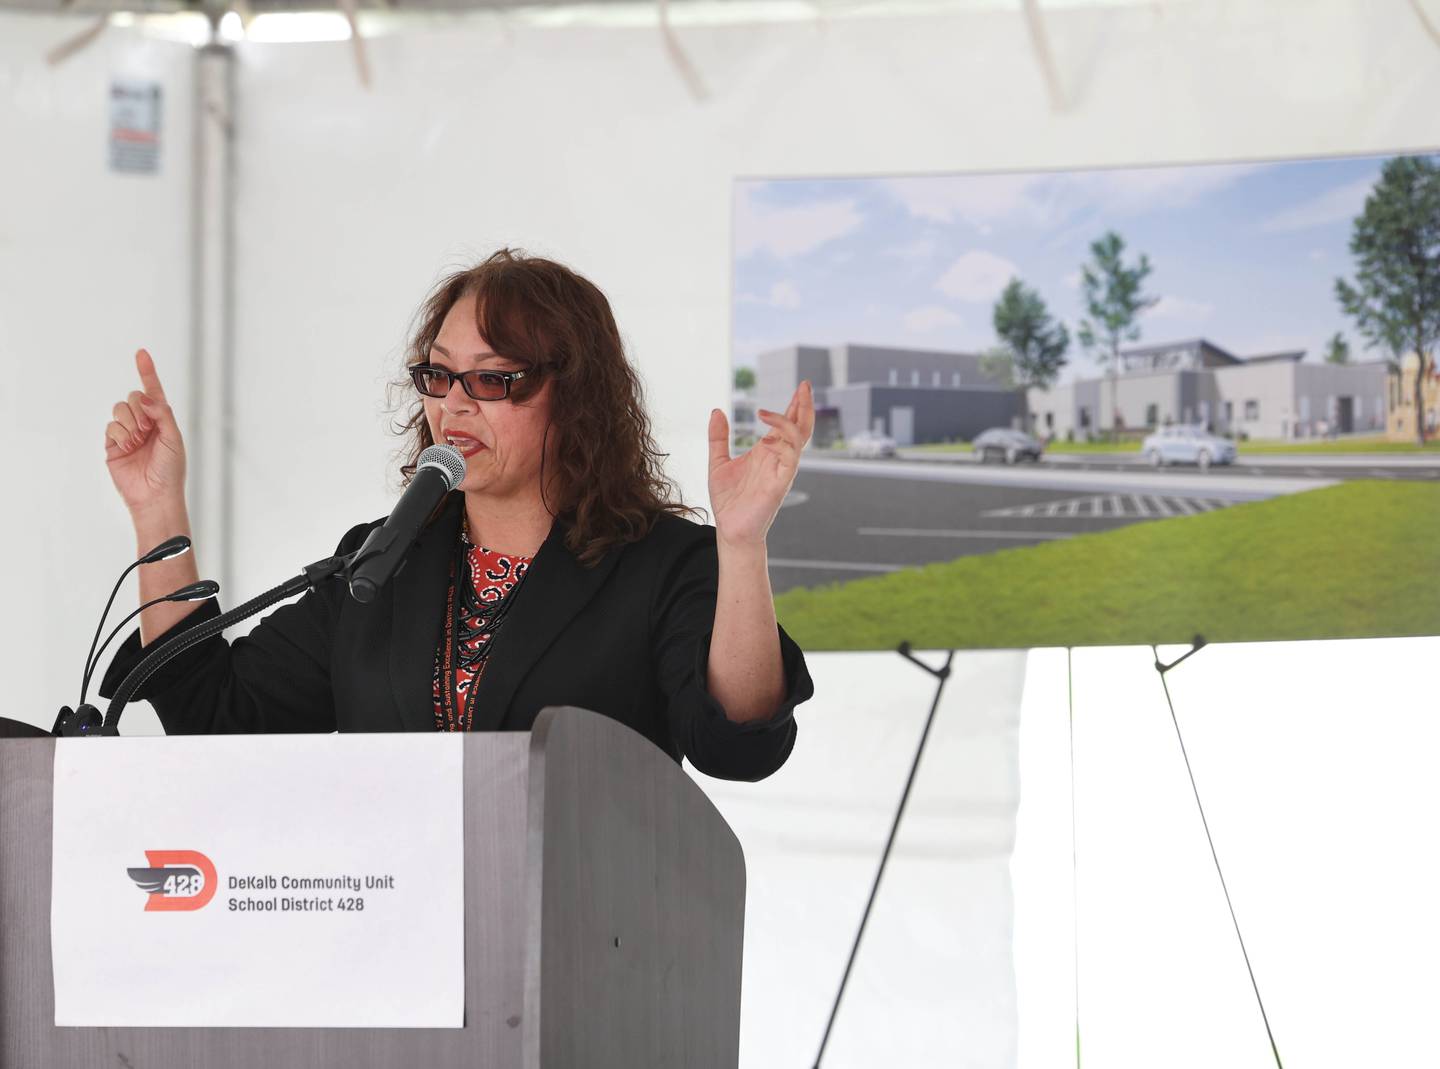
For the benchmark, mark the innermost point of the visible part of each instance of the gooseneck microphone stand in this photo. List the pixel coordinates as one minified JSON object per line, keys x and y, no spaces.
{"x":311,"y":576}
{"x":440,"y":468}
{"x":85,"y":719}
{"x":941,"y":674}
{"x":171,"y":547}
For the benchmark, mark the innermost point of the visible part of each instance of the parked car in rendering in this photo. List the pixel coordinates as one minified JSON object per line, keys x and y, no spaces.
{"x":1002,"y":443}
{"x":870,"y":444}
{"x":1185,"y":444}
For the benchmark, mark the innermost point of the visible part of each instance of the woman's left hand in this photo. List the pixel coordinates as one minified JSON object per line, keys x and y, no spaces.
{"x":746,"y":491}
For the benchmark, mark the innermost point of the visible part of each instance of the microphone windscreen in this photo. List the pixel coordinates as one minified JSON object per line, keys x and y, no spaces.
{"x":205,"y":588}
{"x":171,"y":547}
{"x":446,"y":459}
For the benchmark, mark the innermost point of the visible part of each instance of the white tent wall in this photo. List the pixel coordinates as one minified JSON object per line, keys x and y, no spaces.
{"x":583,"y":142}
{"x":934,"y":983}
{"x":92,"y":264}
{"x":1315,"y":764}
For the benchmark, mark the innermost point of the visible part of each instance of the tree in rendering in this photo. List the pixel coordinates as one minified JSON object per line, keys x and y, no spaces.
{"x":744,"y":378}
{"x":1337,"y":350}
{"x":998,"y":366}
{"x":1113,"y":303}
{"x":1036,"y":342}
{"x":1395,"y":298}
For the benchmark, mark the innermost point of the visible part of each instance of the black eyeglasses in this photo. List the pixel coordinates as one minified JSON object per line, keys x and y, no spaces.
{"x":481,"y":385}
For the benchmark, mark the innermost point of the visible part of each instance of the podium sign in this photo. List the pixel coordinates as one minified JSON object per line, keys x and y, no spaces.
{"x":301,"y":881}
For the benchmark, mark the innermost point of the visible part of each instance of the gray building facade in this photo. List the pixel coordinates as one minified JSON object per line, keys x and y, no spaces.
{"x":913,"y":395}
{"x":1271,"y":396}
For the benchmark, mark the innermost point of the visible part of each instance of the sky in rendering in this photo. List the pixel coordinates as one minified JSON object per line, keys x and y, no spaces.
{"x":1245,"y":256}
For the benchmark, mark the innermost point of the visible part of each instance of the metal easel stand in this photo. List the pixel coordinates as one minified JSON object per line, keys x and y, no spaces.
{"x":941,"y":674}
{"x":1163,"y":669}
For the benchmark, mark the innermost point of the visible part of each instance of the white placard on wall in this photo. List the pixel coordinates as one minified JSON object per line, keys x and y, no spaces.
{"x":135,"y":117}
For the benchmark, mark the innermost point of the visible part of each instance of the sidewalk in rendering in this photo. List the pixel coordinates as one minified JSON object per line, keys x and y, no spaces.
{"x":1268,"y":460}
{"x":1215,"y":483}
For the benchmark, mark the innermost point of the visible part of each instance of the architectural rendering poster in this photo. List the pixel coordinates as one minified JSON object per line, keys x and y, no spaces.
{"x":1101,"y":407}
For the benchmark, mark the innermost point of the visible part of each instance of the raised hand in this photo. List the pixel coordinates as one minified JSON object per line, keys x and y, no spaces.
{"x":746,"y":491}
{"x":143,"y":447}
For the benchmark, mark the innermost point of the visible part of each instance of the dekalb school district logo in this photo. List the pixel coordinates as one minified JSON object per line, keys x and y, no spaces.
{"x":176,"y":880}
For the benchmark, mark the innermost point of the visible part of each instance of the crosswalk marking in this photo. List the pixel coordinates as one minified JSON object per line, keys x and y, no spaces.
{"x":1115,"y":506}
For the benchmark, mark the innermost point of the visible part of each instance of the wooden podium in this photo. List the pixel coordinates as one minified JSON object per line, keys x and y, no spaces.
{"x":604,"y":914}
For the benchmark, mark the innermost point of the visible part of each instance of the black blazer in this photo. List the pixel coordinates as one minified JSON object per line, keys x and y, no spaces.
{"x":628,"y":637}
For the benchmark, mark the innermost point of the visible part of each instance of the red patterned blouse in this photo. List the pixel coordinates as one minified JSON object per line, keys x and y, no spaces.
{"x":486,"y":593}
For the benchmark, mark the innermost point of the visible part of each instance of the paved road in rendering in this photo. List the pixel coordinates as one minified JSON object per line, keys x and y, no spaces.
{"x":847,"y":518}
{"x":1320,"y":466}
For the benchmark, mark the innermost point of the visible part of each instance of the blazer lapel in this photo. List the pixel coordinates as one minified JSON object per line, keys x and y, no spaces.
{"x":552,"y":593}
{"x":418,"y":615}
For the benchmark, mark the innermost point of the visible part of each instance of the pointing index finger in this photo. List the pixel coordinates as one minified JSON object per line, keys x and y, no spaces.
{"x":145,"y":364}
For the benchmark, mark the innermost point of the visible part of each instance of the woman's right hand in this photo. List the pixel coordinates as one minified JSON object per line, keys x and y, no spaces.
{"x":143,"y":447}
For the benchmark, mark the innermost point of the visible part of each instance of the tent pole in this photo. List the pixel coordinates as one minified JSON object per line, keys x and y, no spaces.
{"x":212,"y":395}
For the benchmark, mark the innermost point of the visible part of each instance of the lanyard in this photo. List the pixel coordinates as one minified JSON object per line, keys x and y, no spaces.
{"x":489,"y":616}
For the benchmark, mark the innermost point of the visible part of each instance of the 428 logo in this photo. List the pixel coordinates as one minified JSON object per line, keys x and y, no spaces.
{"x":176,"y":880}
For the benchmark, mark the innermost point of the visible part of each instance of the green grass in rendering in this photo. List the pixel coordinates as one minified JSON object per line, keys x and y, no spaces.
{"x":1358,"y":559}
{"x":1337,"y":445}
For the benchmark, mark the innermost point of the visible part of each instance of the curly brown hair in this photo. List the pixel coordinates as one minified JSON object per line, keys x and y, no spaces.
{"x":560,"y":326}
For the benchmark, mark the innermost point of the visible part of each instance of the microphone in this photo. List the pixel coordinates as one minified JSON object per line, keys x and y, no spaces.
{"x":440,"y":469}
{"x":171,"y":547}
{"x":86,"y":719}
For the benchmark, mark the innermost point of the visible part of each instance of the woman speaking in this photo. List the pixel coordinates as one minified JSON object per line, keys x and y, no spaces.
{"x":562,"y":571}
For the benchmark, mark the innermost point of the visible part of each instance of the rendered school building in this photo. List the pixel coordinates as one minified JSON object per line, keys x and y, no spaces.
{"x":913,"y":395}
{"x":1274,"y":395}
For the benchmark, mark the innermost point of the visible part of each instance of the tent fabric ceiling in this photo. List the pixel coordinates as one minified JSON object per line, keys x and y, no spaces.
{"x":99,"y":7}
{"x":827,"y":7}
